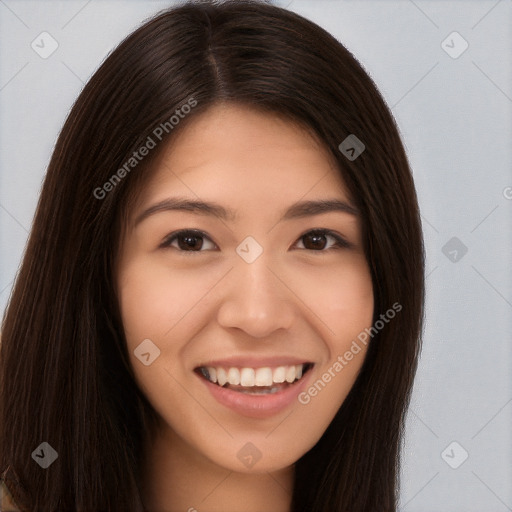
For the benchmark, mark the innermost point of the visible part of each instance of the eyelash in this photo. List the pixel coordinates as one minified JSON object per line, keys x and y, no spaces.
{"x":340,"y":243}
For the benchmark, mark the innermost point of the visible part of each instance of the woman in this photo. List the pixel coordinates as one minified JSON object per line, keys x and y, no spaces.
{"x":269,"y":370}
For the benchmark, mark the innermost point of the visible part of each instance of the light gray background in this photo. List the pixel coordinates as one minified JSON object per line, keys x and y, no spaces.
{"x":455,"y":118}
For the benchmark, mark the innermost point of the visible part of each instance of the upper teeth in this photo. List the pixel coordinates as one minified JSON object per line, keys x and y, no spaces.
{"x":253,"y":376}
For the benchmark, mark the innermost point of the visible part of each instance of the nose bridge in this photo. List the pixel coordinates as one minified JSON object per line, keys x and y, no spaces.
{"x":255,"y":300}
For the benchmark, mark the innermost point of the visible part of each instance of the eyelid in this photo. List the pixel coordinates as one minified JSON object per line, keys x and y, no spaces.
{"x":341,"y":242}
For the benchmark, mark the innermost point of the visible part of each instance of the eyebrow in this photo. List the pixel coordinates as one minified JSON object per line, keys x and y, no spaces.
{"x":297,"y":210}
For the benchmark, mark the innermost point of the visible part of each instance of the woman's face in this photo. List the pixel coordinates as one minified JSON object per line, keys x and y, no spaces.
{"x":237,"y":264}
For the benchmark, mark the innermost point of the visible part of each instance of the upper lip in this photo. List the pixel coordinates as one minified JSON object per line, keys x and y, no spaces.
{"x":255,"y":362}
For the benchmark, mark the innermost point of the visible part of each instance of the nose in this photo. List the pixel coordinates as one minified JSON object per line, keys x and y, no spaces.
{"x":256,"y":299}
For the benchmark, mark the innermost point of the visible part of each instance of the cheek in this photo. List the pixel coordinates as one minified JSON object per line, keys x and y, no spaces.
{"x":349,"y":307}
{"x":152,"y":299}
{"x":341,"y":297}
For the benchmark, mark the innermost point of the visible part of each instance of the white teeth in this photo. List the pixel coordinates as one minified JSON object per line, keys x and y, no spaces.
{"x":234,"y":376}
{"x":290,"y":373}
{"x":213,"y":373}
{"x":247,"y":377}
{"x":222,"y":377}
{"x":263,"y":377}
{"x":250,"y":377}
{"x":279,"y":374}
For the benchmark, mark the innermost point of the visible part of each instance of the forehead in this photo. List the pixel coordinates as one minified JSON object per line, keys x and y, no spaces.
{"x":248,"y":159}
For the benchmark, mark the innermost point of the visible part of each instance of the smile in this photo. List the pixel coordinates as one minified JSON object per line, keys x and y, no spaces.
{"x":255,"y":392}
{"x":255,"y":380}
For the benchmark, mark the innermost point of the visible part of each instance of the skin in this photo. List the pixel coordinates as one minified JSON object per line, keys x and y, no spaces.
{"x":297,"y":298}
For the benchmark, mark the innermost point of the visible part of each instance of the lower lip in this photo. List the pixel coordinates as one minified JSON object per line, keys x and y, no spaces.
{"x":257,"y":406}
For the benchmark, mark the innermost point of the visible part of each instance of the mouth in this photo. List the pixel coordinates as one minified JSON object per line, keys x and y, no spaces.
{"x":255,"y":381}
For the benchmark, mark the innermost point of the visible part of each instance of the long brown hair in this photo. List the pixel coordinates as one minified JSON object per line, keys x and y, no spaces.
{"x":65,"y":376}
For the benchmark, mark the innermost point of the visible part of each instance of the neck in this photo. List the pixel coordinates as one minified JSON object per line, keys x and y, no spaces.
{"x":177,"y":478}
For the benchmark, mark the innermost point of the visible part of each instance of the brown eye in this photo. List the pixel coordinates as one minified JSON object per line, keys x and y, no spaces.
{"x":192,"y":242}
{"x":188,"y":241}
{"x":315,"y":241}
{"x":322,"y":240}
